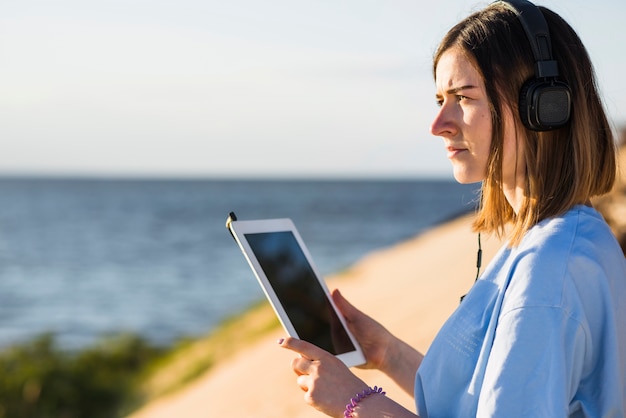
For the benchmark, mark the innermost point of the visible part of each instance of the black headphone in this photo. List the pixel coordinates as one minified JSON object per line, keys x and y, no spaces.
{"x":545,"y":101}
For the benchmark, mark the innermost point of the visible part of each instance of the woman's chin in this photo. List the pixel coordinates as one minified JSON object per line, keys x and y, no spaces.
{"x":464,"y":177}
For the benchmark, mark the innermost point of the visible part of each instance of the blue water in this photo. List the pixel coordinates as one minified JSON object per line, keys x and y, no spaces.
{"x":88,"y":257}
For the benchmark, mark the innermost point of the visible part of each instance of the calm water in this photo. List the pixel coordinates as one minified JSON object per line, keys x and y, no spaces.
{"x":84,"y":258}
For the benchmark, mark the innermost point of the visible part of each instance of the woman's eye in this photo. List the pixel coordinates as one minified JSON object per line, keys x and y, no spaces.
{"x":460,"y":98}
{"x":457,"y":97}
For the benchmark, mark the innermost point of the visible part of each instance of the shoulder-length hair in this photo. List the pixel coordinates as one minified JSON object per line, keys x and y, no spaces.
{"x":564,"y":167}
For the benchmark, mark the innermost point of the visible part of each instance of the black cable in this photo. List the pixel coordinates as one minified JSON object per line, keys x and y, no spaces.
{"x":479,"y":261}
{"x":479,"y":258}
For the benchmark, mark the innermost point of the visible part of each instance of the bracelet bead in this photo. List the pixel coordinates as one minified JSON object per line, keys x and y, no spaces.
{"x":359,"y":397}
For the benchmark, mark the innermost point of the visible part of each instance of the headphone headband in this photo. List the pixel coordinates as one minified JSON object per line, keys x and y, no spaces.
{"x":536,"y":27}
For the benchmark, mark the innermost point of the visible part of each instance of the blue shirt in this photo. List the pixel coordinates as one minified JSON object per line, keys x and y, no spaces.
{"x":542,"y":333}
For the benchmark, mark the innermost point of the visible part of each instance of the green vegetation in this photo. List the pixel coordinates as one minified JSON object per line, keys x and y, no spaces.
{"x":37,"y":379}
{"x":118,"y":374}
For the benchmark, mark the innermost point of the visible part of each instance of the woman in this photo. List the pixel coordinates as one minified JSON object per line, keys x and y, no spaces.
{"x":542,"y":333}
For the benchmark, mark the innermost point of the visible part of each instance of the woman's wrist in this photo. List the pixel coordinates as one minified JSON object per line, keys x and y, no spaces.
{"x":376,"y":406}
{"x":401,"y":362}
{"x":356,"y":399}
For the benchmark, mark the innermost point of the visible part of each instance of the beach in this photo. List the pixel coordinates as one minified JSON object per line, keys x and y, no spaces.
{"x":410,"y":288}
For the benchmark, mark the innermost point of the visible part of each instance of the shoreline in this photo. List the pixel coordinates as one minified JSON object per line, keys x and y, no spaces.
{"x":425,"y":274}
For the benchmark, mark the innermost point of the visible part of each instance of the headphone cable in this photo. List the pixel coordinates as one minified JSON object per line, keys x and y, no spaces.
{"x":479,"y":261}
{"x":479,"y":258}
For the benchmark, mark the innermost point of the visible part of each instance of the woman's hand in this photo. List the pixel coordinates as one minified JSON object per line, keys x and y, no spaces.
{"x":382,"y":350}
{"x":374,"y":339}
{"x":327,"y":382}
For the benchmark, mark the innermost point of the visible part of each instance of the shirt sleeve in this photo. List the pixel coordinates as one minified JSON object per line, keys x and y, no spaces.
{"x":534,"y":365}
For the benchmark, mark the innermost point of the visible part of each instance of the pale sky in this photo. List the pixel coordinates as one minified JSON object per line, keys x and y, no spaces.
{"x":243,"y":87}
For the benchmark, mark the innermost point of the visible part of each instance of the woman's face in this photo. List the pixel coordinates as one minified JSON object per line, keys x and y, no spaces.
{"x":464,"y":123}
{"x":464,"y":118}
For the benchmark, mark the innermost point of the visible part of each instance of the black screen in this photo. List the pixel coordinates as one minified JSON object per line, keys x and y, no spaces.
{"x":298,"y":290}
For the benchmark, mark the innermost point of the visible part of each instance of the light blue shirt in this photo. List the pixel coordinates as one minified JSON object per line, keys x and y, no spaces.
{"x":541,"y":334}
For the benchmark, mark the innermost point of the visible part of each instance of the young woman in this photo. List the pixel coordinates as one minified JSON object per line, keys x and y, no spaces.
{"x":542,"y":333}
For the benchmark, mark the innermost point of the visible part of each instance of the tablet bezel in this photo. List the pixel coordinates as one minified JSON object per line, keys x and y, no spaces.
{"x":239,"y":228}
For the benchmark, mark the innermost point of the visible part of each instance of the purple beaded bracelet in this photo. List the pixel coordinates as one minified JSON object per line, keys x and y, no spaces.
{"x":359,"y":397}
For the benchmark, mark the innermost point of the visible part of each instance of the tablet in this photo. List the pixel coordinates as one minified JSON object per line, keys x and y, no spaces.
{"x":283,"y":266}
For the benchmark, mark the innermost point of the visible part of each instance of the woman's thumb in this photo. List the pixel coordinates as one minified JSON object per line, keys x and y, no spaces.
{"x":346,"y":308}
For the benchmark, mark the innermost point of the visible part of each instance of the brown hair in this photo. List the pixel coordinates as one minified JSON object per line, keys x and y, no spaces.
{"x":564,"y":167}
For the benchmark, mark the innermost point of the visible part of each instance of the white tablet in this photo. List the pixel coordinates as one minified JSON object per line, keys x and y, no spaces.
{"x":300,"y":298}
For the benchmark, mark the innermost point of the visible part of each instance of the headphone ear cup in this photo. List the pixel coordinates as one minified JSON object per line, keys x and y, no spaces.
{"x":525,"y":104}
{"x":545,"y":104}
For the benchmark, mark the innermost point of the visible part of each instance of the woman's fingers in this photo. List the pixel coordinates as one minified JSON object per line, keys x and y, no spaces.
{"x":304,"y":348}
{"x":303,"y":382}
{"x":326,"y":381}
{"x":301,"y":365}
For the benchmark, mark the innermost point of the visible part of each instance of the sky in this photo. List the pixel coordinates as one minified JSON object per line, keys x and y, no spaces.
{"x":243,"y":88}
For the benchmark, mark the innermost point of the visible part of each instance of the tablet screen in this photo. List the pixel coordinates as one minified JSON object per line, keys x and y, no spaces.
{"x":296,"y":286}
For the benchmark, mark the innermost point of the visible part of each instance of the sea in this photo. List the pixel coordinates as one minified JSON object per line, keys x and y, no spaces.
{"x":87,"y":258}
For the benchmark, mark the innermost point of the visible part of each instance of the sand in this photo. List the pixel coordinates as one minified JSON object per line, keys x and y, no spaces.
{"x":411,"y":288}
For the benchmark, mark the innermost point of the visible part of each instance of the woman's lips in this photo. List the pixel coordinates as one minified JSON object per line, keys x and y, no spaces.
{"x":454,"y":151}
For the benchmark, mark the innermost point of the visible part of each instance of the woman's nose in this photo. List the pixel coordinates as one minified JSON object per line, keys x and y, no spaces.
{"x":443,"y":124}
